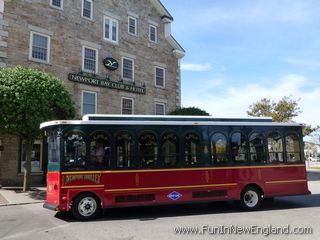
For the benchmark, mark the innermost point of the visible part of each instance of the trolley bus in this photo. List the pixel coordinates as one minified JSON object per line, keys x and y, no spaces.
{"x":105,"y":161}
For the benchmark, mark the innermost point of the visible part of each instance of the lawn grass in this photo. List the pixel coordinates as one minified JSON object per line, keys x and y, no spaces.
{"x":316,"y":168}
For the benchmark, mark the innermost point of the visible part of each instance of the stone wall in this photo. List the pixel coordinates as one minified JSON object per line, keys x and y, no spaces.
{"x":9,"y":160}
{"x":69,"y":31}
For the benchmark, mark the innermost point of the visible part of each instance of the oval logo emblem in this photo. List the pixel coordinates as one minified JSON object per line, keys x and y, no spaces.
{"x":110,"y":63}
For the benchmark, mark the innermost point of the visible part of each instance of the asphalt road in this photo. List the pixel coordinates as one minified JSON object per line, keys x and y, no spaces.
{"x":33,"y":222}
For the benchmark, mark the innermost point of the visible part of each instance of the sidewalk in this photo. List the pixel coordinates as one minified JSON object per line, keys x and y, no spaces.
{"x":15,"y":196}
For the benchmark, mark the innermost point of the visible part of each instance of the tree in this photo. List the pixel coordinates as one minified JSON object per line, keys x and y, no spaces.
{"x":27,"y":98}
{"x":283,"y":111}
{"x":308,"y":129}
{"x":190,"y":111}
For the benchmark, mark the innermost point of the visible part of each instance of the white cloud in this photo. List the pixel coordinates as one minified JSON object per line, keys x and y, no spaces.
{"x":196,"y":67}
{"x":234,"y":102}
{"x":302,"y":62}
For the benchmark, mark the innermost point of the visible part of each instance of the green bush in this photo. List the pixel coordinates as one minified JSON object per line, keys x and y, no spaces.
{"x":29,"y":97}
{"x":190,"y":111}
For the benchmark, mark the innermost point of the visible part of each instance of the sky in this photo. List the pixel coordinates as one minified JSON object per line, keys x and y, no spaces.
{"x":240,"y":51}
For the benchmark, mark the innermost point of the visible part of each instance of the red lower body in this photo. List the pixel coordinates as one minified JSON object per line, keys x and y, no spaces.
{"x":134,"y":187}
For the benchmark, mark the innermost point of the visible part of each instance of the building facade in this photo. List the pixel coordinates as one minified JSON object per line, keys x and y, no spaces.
{"x":114,"y":57}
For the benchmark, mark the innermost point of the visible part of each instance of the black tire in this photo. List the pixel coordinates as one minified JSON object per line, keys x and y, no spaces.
{"x":269,"y":199}
{"x":250,"y":198}
{"x":86,"y":207}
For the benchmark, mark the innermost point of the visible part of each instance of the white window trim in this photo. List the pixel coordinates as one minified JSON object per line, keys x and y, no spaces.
{"x":96,"y":99}
{"x":131,"y":59}
{"x":135,"y":26}
{"x":91,"y":10}
{"x":155,"y":108}
{"x":38,"y":142}
{"x":164,"y":77}
{"x":97,"y":56}
{"x":31,"y":46}
{"x":132,"y":99}
{"x":110,"y":27}
{"x":60,"y":8}
{"x":156,"y":33}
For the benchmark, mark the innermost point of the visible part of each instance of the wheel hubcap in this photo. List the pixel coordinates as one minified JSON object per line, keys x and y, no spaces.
{"x":87,"y":206}
{"x":251,"y":198}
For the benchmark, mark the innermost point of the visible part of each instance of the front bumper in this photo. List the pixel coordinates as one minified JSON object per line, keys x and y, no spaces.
{"x":51,"y":206}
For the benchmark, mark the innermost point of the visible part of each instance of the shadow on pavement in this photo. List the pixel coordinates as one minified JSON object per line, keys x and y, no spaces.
{"x":37,"y":194}
{"x":313,"y":175}
{"x":149,"y":213}
{"x":33,"y":193}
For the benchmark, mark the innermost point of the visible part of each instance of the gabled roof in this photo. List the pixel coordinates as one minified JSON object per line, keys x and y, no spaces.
{"x":166,"y":17}
{"x":161,"y":9}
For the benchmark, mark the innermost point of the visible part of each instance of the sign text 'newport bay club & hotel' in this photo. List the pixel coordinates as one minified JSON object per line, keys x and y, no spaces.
{"x":106,"y":83}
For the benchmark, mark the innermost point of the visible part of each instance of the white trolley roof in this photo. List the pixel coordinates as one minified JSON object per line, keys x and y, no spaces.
{"x":97,"y":119}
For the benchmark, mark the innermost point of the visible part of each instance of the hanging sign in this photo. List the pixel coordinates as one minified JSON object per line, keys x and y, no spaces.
{"x":110,"y":63}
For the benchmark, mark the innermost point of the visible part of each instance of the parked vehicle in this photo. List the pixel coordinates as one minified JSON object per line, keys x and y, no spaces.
{"x":111,"y":161}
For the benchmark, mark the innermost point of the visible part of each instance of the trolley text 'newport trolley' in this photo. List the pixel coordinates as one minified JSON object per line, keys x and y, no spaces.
{"x":115,"y":160}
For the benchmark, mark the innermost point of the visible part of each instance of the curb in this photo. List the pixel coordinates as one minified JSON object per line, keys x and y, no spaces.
{"x":16,"y":204}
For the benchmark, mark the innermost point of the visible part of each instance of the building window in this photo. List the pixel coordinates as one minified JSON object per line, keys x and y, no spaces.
{"x":132,"y":25}
{"x":160,"y":109}
{"x":89,"y":62}
{"x":160,"y":77}
{"x":87,"y":9}
{"x":128,"y":69}
{"x":110,"y":30}
{"x":39,"y":47}
{"x":57,"y":3}
{"x":153,"y":35}
{"x":36,"y":156}
{"x":89,"y":102}
{"x":127,"y":106}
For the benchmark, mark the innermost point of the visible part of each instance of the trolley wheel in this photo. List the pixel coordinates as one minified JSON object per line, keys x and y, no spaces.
{"x":86,"y":207}
{"x":250,"y":198}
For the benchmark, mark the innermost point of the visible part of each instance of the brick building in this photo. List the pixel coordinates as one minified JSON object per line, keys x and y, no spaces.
{"x":115,"y":57}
